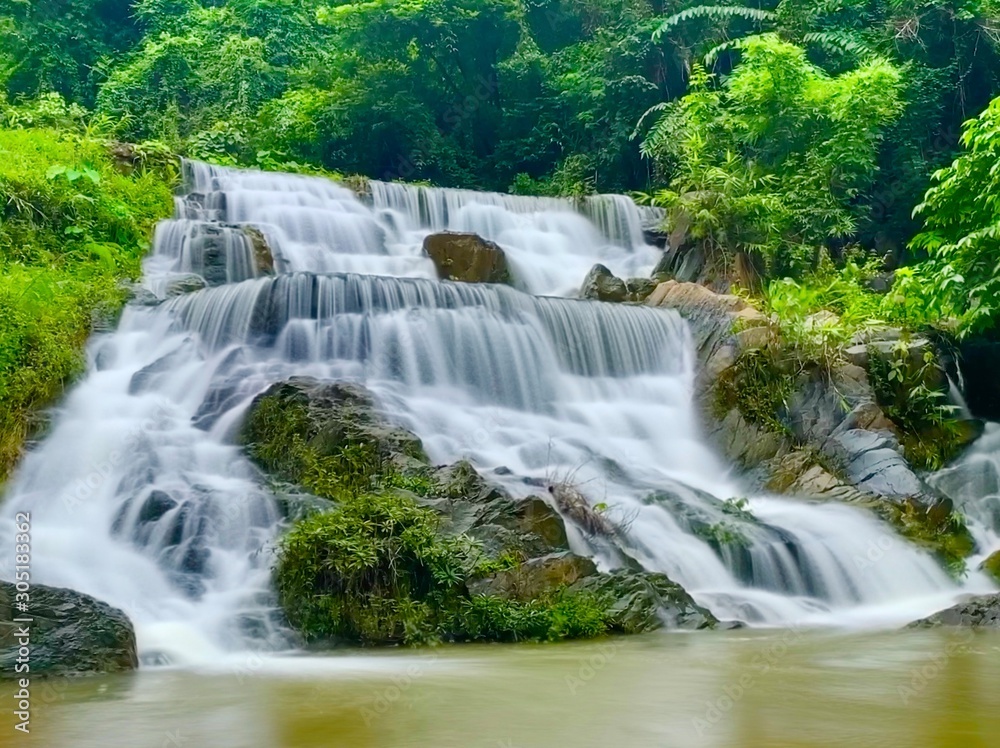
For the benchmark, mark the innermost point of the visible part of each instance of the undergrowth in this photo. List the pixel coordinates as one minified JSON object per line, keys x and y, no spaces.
{"x":72,"y":228}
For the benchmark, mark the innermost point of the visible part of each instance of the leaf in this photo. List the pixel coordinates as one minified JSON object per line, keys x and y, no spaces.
{"x":54,"y":171}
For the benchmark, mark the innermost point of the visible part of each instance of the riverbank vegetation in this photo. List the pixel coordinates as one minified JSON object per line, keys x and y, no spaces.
{"x":74,"y":226}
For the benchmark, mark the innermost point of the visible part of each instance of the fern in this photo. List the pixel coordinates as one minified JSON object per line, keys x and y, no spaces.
{"x":717,"y":13}
{"x":839,"y":42}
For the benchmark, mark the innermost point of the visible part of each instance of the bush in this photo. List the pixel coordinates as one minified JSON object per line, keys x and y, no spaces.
{"x":73,"y":227}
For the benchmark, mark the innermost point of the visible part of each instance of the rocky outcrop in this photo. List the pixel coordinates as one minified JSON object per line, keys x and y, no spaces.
{"x":185,"y":284}
{"x":602,"y":285}
{"x":69,"y":634}
{"x":992,"y":566}
{"x":979,"y":612}
{"x":340,"y":428}
{"x":467,"y":258}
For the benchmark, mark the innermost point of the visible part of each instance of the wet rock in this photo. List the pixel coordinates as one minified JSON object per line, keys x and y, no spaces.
{"x":329,"y":417}
{"x":643,"y":601}
{"x":602,"y":285}
{"x":141,"y":296}
{"x":871,"y":461}
{"x":572,"y":503}
{"x":992,"y":566}
{"x":185,"y":284}
{"x":70,"y":634}
{"x":467,"y":258}
{"x":535,"y":577}
{"x":978,"y":612}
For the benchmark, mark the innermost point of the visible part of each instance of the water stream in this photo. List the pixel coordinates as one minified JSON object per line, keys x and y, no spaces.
{"x":139,"y":497}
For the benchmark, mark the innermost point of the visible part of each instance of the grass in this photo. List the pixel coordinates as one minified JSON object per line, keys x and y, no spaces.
{"x":72,"y":228}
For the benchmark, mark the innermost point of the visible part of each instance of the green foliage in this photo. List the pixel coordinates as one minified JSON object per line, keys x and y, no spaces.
{"x":72,"y":228}
{"x":911,"y":394}
{"x":961,"y":236}
{"x":943,"y":533}
{"x":757,"y":387}
{"x":820,"y":314}
{"x":773,"y":160}
{"x":378,"y":568}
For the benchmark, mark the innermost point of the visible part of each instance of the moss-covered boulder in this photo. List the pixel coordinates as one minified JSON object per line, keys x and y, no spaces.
{"x":69,"y":634}
{"x":991,"y":566}
{"x":644,"y":601}
{"x":386,"y":548}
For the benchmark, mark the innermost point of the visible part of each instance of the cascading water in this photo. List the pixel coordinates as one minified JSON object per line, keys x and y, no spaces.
{"x":139,"y":497}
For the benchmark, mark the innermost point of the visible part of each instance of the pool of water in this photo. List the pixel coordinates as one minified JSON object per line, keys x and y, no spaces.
{"x":739,"y":688}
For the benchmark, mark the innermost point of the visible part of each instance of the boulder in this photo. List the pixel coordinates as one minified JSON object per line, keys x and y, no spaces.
{"x":977,"y":612}
{"x":871,"y":461}
{"x":644,"y":601}
{"x":991,"y":566}
{"x":329,"y":416}
{"x":185,"y":284}
{"x":602,"y":285}
{"x":70,"y":634}
{"x":467,"y":258}
{"x":535,"y":577}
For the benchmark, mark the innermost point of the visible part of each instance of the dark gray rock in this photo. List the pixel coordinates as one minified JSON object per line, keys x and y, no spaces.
{"x":979,"y":612}
{"x":185,"y":284}
{"x":871,"y":462}
{"x":602,"y":285}
{"x":644,"y":601}
{"x":70,"y":634}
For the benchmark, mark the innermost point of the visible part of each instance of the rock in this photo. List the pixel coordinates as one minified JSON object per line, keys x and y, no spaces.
{"x":979,"y":361}
{"x":977,"y":612}
{"x":185,"y":284}
{"x":602,"y":285}
{"x":992,"y":566}
{"x":574,"y":505}
{"x":880,"y":283}
{"x":262,"y":255}
{"x":859,"y":354}
{"x":535,"y":577}
{"x":639,"y":288}
{"x":329,"y":416}
{"x":467,"y":258}
{"x":644,"y":601}
{"x":871,"y":462}
{"x":139,"y":295}
{"x":692,"y":264}
{"x":70,"y":634}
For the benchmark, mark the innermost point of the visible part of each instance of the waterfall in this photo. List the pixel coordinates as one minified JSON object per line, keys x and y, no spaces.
{"x":139,"y":497}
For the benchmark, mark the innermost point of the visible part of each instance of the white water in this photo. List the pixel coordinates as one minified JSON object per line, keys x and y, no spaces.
{"x":138,"y":497}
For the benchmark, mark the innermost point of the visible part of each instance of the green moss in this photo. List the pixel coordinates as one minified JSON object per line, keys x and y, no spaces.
{"x":376,"y":570}
{"x":992,"y":566}
{"x":72,"y":227}
{"x":930,"y":433}
{"x":755,"y":386}
{"x":939,"y":529}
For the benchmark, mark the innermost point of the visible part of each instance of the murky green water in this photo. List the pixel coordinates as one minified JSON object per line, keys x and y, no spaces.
{"x":787,"y":688}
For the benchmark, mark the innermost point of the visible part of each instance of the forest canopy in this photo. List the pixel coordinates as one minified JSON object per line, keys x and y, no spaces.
{"x":793,"y":129}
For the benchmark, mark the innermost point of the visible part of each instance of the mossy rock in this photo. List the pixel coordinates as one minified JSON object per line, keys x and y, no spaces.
{"x":70,"y":634}
{"x":992,"y":566}
{"x":642,"y":601}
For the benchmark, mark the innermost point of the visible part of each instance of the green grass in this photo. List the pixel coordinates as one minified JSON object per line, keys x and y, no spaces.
{"x":72,"y":228}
